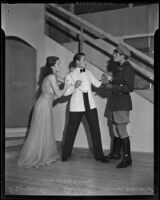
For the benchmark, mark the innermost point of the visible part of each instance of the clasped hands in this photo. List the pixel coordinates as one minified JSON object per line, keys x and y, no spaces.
{"x":77,"y":83}
{"x":105,"y":81}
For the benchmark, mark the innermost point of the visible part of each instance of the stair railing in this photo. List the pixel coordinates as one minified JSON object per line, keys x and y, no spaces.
{"x":86,"y":31}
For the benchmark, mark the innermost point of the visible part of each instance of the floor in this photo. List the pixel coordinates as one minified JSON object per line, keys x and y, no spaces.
{"x":81,"y":175}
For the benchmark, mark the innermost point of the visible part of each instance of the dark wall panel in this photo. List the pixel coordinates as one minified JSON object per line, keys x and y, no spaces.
{"x":20,"y":82}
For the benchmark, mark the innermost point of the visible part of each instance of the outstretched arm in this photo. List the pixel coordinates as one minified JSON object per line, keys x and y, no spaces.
{"x":55,"y":86}
{"x":94,"y":81}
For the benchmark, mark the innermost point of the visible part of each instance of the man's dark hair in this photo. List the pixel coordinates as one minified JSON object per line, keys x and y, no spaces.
{"x":77,"y":56}
{"x":125,"y":57}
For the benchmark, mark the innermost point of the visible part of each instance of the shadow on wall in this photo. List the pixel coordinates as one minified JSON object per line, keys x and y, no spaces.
{"x":38,"y":93}
{"x":19,"y":78}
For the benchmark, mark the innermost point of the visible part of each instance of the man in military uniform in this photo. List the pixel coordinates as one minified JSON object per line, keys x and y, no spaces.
{"x":121,"y":86}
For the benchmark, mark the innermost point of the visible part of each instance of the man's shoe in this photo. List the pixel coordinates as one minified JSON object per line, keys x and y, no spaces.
{"x":64,"y":158}
{"x":103,"y":159}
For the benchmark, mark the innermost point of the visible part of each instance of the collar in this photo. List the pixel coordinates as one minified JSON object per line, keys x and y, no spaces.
{"x":78,"y":69}
{"x":126,"y":61}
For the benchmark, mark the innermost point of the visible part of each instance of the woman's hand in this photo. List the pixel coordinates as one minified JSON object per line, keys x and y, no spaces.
{"x":78,"y":83}
{"x":104,"y":78}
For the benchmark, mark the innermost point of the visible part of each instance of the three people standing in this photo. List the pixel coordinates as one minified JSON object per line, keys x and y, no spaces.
{"x":40,"y":146}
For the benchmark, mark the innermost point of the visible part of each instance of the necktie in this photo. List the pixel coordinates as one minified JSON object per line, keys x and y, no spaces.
{"x":82,"y":70}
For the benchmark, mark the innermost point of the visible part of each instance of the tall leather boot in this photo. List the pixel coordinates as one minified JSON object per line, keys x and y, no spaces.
{"x":126,"y":160}
{"x":115,"y":153}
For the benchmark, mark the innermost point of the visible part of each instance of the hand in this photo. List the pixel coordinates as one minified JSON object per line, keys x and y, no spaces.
{"x":110,"y":76}
{"x":104,"y":78}
{"x":78,"y":83}
{"x":109,"y":86}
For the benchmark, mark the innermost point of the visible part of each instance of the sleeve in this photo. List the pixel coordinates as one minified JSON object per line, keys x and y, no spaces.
{"x":71,"y":89}
{"x":94,"y":81}
{"x":129,"y":79}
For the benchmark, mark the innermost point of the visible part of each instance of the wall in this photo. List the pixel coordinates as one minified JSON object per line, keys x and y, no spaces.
{"x":27,"y":22}
{"x":126,"y":21}
{"x":20,"y":84}
{"x":140,"y":128}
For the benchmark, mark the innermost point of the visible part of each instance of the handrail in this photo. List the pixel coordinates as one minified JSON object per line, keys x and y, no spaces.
{"x":140,"y":35}
{"x":101,"y":46}
{"x":103,"y":33}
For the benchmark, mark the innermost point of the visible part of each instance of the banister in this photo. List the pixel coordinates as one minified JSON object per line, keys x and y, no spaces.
{"x":142,"y":70}
{"x":104,"y":34}
{"x":81,"y":39}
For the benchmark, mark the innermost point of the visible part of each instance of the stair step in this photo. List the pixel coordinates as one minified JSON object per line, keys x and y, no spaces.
{"x":14,"y":142}
{"x":11,"y":152}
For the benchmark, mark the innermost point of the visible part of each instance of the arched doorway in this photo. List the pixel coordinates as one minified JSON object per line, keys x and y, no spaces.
{"x":20,"y":81}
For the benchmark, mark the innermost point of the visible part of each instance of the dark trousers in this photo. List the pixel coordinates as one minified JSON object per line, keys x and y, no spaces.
{"x":73,"y":125}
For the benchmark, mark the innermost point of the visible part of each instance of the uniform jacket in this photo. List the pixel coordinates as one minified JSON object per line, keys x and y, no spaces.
{"x":87,"y":78}
{"x":123,"y":85}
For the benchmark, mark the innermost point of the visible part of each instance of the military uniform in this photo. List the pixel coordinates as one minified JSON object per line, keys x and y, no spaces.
{"x":123,"y":84}
{"x":120,"y":104}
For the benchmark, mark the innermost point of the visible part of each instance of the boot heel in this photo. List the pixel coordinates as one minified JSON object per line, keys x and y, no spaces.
{"x":124,"y":163}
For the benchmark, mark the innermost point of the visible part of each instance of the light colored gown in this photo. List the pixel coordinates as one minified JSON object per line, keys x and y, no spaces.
{"x":40,"y":147}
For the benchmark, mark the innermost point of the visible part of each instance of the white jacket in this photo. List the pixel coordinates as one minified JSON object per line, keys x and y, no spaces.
{"x":87,"y":78}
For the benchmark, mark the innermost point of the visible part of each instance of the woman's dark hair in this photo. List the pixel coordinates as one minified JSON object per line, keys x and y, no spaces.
{"x":50,"y":61}
{"x":77,"y":56}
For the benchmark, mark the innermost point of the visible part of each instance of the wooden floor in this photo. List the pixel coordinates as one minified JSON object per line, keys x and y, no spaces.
{"x":81,"y":175}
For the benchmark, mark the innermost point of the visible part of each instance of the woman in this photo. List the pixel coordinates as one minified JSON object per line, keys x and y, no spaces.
{"x":40,"y":146}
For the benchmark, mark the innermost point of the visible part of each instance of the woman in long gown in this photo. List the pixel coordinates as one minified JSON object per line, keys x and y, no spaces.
{"x":40,"y":147}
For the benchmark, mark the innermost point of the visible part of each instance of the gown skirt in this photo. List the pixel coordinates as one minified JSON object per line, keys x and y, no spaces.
{"x":40,"y":147}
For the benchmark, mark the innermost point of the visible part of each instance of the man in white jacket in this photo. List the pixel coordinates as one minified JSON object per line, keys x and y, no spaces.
{"x":82,"y":103}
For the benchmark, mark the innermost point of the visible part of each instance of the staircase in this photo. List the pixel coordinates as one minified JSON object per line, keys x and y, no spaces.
{"x":98,"y":46}
{"x":14,"y":138}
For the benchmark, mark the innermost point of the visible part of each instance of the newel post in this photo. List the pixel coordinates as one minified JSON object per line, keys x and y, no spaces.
{"x":80,"y":46}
